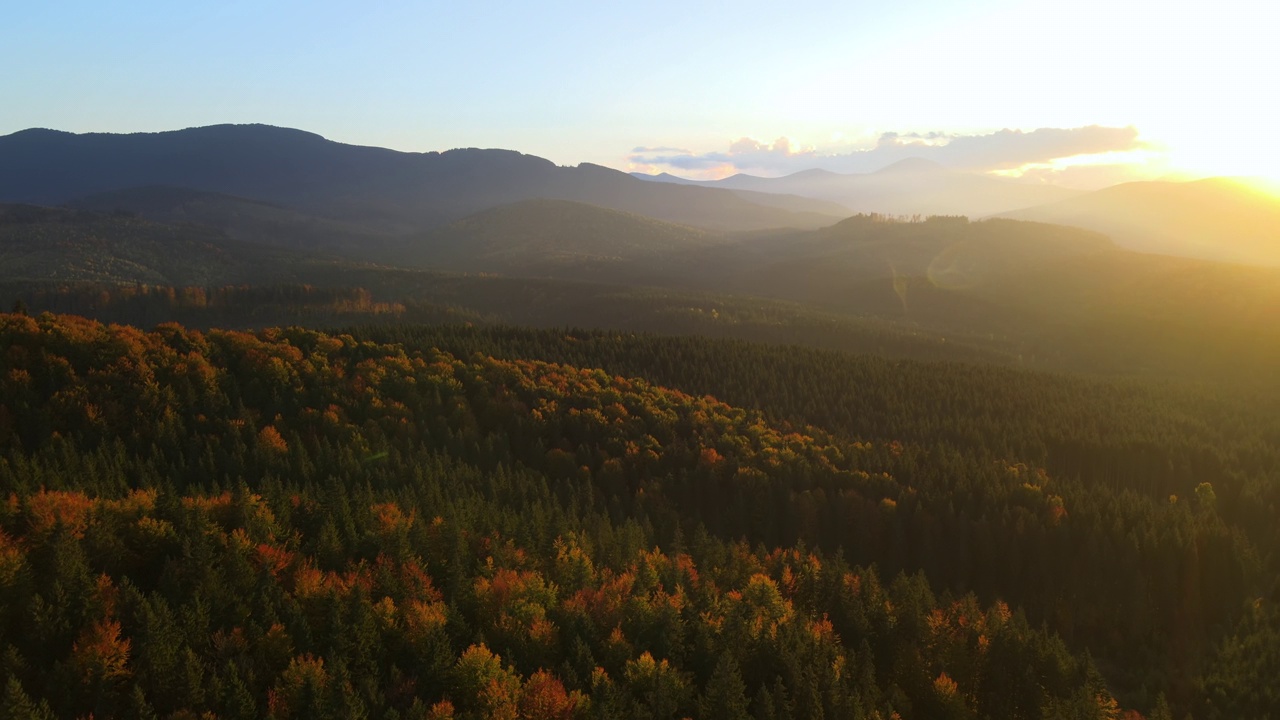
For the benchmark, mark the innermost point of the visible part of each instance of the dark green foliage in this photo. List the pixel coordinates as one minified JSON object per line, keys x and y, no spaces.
{"x":54,"y":245}
{"x":17,"y":705}
{"x":1241,"y":680}
{"x":300,"y":524}
{"x":726,"y":695}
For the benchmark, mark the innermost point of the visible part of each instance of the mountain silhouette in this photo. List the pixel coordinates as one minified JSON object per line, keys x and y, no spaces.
{"x":382,"y":190}
{"x":912,"y":165}
{"x":914,"y":186}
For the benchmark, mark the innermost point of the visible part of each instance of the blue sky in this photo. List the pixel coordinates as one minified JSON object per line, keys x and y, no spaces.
{"x":593,"y":81}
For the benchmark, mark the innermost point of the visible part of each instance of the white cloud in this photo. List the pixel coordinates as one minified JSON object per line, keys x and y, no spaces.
{"x":1002,"y":150}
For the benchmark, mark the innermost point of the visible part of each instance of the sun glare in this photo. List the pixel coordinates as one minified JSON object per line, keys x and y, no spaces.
{"x":1268,"y":186}
{"x":1246,"y":151}
{"x":1140,"y":162}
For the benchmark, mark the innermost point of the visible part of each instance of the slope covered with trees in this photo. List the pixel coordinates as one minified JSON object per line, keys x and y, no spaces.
{"x":413,"y":524}
{"x":248,"y":221}
{"x":58,"y":245}
{"x":1037,"y":295}
{"x":555,"y":237}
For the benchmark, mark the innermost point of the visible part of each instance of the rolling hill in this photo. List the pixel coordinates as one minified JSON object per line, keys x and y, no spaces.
{"x":1218,"y":219}
{"x":249,"y":221}
{"x":870,"y":263}
{"x":555,"y":238}
{"x":123,"y":268}
{"x":53,"y":245}
{"x":999,"y":289}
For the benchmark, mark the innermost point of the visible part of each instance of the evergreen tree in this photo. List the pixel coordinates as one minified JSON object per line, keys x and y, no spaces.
{"x":17,"y":705}
{"x":726,"y":695}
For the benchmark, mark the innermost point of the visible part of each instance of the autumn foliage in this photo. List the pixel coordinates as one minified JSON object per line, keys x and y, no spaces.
{"x":294,"y":524}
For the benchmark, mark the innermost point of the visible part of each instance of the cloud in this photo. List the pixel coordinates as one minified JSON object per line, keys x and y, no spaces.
{"x":1000,"y":150}
{"x":744,"y":154}
{"x":1014,"y":148}
{"x":1085,"y":177}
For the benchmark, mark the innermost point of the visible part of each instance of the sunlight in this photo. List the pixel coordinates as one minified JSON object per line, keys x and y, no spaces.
{"x":1266,"y":185}
{"x":1243,"y":145}
{"x":1140,"y":162}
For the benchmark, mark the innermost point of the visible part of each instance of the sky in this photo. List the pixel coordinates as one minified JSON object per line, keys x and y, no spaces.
{"x":1081,"y":93}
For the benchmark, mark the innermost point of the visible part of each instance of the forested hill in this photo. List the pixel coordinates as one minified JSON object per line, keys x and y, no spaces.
{"x":377,"y":189}
{"x":295,"y":524}
{"x":58,"y":245}
{"x":541,"y":237}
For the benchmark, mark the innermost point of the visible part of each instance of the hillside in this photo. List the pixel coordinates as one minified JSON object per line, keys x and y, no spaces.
{"x":121,"y":268}
{"x":1153,"y":313}
{"x":555,"y":237}
{"x":292,"y":521}
{"x":1049,"y":295}
{"x":1216,"y":219}
{"x":877,"y":265}
{"x":248,"y":221}
{"x":50,"y":245}
{"x":1004,"y":291}
{"x":381,"y":190}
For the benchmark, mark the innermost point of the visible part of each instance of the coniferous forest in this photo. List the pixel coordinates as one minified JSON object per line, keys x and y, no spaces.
{"x":434,"y":521}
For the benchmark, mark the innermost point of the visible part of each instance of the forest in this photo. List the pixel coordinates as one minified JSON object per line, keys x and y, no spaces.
{"x":433,"y":521}
{"x":639,"y":361}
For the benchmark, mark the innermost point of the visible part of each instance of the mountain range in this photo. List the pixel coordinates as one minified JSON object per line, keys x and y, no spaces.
{"x":383,"y":191}
{"x":1015,"y":291}
{"x":914,"y":186}
{"x":283,"y":187}
{"x":254,"y":205}
{"x":1217,"y":218}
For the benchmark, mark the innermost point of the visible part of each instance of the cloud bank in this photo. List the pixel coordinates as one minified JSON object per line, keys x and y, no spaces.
{"x":1002,"y":150}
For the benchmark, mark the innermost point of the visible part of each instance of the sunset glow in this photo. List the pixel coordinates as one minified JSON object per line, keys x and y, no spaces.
{"x":1193,"y":80}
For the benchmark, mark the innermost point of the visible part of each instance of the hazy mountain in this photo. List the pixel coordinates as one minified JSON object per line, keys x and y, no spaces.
{"x":762,"y":196}
{"x":1048,"y":295}
{"x":794,"y":203}
{"x":1218,"y":219}
{"x":867,"y":264}
{"x":382,"y":190}
{"x":914,"y":186}
{"x":1058,"y":295}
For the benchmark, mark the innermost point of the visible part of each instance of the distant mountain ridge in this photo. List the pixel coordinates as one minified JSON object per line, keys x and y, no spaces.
{"x":382,"y":190}
{"x":914,"y":186}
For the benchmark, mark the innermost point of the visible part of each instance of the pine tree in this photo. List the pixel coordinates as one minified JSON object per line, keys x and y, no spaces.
{"x":762,"y":705}
{"x":725,"y":697}
{"x":17,"y":705}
